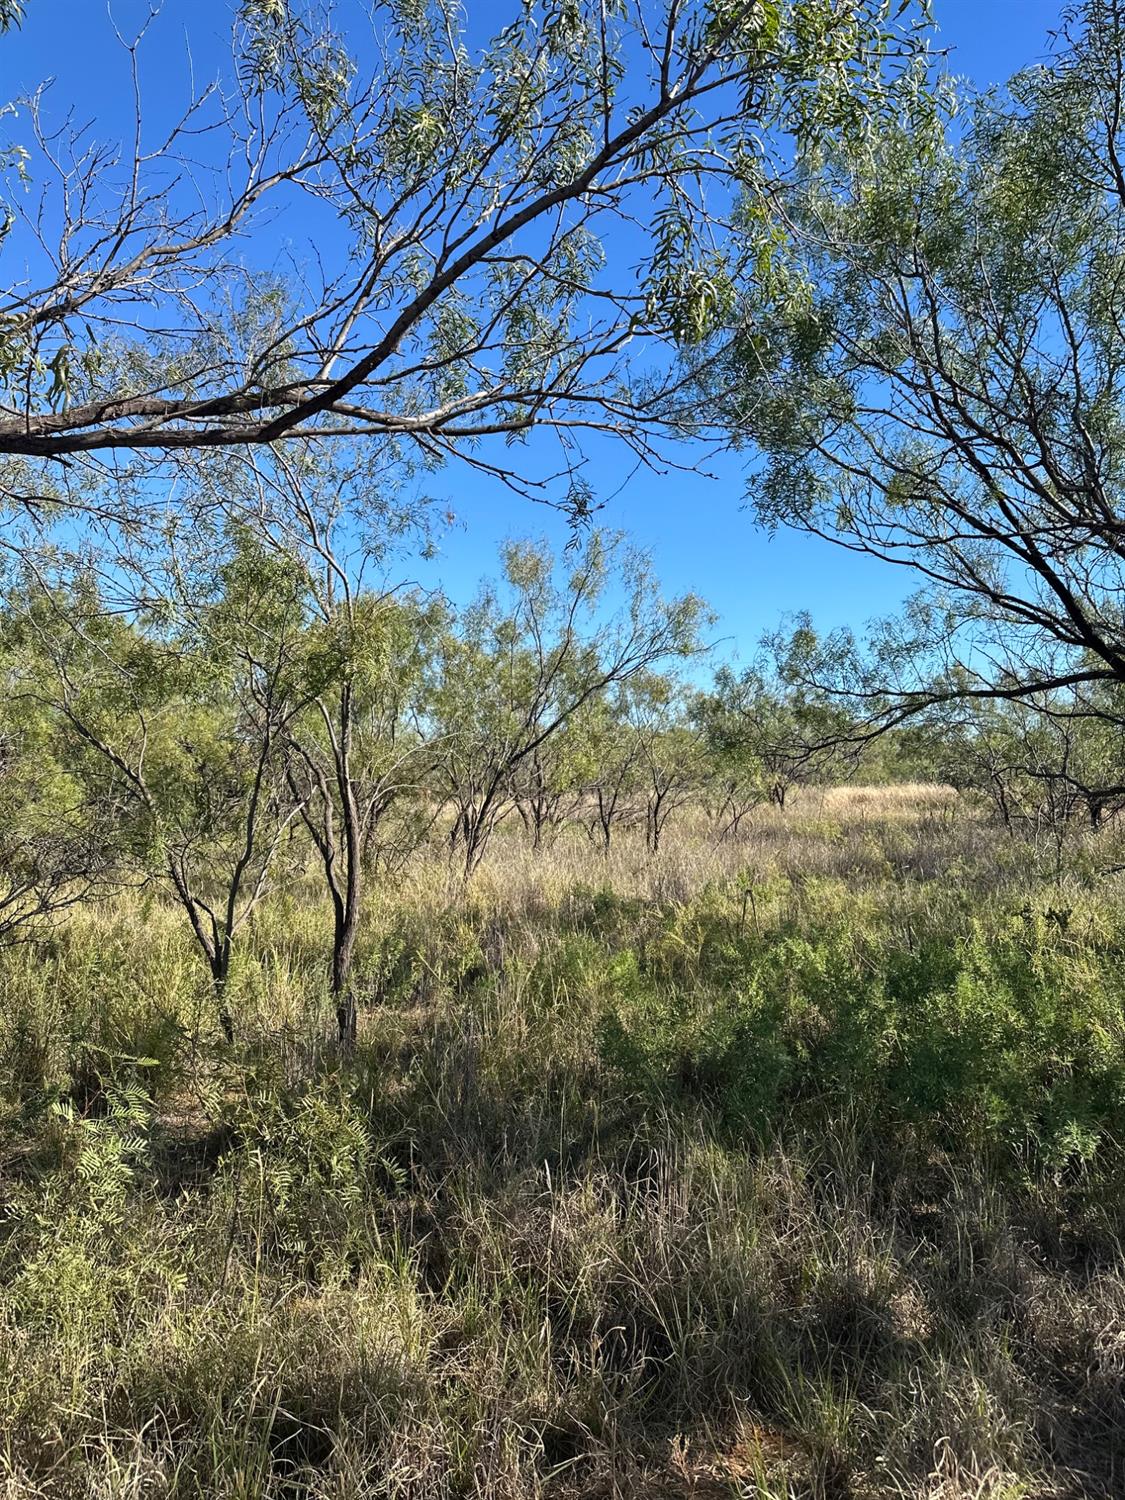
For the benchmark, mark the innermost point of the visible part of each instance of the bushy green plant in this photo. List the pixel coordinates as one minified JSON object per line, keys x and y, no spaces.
{"x":1009,"y":1038}
{"x":305,"y":1180}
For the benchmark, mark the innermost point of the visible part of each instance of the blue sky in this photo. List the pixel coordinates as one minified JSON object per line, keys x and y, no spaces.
{"x":701,"y":536}
{"x":695,"y":525}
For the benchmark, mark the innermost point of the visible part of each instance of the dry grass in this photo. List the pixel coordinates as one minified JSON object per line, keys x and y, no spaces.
{"x":832,"y":832}
{"x":646,"y":1179}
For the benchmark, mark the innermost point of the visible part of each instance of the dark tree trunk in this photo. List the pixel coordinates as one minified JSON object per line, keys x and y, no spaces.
{"x":220,"y":971}
{"x":607,"y":809}
{"x":347,"y":919}
{"x":343,"y":948}
{"x":346,"y":1020}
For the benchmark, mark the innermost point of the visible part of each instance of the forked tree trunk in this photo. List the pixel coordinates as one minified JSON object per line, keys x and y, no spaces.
{"x":218,"y":957}
{"x":607,"y":810}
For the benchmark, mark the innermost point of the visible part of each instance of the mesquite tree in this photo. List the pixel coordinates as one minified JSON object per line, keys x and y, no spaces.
{"x":526,"y":657}
{"x":548,"y":787}
{"x":937,"y":372}
{"x":481,"y":227}
{"x":767,"y":733}
{"x":669,"y":749}
{"x":176,"y":715}
{"x":356,"y":753}
{"x":354,"y":750}
{"x":613,"y":750}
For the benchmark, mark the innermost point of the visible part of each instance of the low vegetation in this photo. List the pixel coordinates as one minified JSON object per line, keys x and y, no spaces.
{"x":785,"y":1164}
{"x":538,"y":1045}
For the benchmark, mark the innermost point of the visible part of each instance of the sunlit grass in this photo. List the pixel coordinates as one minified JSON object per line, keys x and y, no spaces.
{"x":785,"y":1166}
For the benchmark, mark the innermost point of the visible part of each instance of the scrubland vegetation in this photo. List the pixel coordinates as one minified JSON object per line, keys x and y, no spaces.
{"x":527,"y":1045}
{"x":780,"y":1165}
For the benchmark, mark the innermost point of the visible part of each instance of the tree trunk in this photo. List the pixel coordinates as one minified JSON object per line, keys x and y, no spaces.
{"x":343,"y":951}
{"x":342,"y":994}
{"x":655,"y":822}
{"x":606,"y":811}
{"x":346,"y":1020}
{"x":220,"y":970}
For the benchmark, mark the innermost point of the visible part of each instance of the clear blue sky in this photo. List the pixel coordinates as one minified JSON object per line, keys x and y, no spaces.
{"x":700,"y":536}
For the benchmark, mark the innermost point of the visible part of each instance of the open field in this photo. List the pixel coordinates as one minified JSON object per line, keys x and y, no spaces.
{"x":785,"y":1167}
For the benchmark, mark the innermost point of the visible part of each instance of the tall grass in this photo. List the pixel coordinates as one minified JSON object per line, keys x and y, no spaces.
{"x":784,"y":1167}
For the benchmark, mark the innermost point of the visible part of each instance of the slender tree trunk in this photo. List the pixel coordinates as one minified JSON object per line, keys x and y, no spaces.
{"x":655,"y":821}
{"x":476,"y":841}
{"x":606,"y":811}
{"x":220,"y":971}
{"x":347,"y":1019}
{"x":1002,"y":804}
{"x":215,"y":947}
{"x":344,"y":934}
{"x":348,"y":908}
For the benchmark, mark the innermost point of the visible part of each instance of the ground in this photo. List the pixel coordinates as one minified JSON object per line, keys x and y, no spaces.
{"x":785,"y":1166}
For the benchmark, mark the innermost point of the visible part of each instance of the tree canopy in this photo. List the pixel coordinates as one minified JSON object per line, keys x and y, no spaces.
{"x":480,"y":232}
{"x":935,"y":372}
